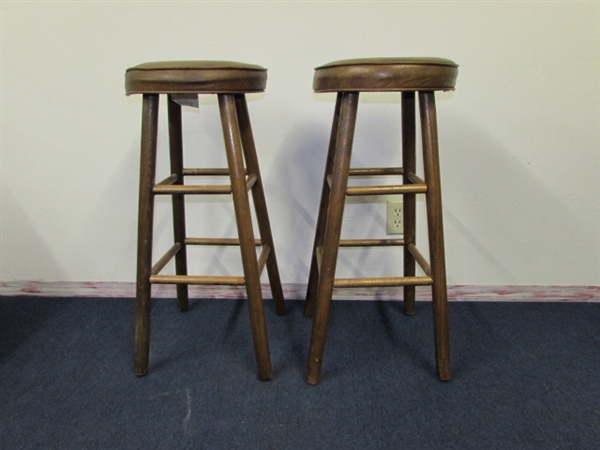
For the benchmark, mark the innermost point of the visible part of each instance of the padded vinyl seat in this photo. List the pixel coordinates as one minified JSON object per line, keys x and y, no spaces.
{"x":386,"y":74}
{"x":198,"y":77}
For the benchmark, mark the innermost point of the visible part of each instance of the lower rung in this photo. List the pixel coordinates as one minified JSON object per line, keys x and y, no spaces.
{"x":217,"y":241}
{"x":375,"y":171}
{"x":387,"y":190}
{"x":382,"y":282}
{"x":166,"y":187}
{"x":194,"y":279}
{"x":370,"y":242}
{"x":206,"y":172}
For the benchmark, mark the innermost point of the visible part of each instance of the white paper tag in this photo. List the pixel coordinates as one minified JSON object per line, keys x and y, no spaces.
{"x":186,"y":99}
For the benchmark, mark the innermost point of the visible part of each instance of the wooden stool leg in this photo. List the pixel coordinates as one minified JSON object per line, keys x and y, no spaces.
{"x":260,"y":203}
{"x":410,"y":166}
{"x":436,"y":232}
{"x":331,"y":237}
{"x":145,"y":229}
{"x":178,"y":202}
{"x":233,"y":146}
{"x":313,"y":280}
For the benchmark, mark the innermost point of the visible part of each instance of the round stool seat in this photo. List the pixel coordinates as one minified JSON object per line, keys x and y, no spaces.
{"x":202,"y":77}
{"x":386,"y":74}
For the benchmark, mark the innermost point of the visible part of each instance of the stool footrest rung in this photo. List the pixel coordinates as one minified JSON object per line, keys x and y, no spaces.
{"x":162,"y":262}
{"x":371,"y":242}
{"x":191,"y":189}
{"x":382,"y":282}
{"x":206,"y":172}
{"x":217,"y":241}
{"x":420,"y":259}
{"x":250,"y":181}
{"x":262,"y":260}
{"x":171,"y":179}
{"x":204,"y":280}
{"x":414,"y":184}
{"x":386,"y":190}
{"x":167,"y":186}
{"x":383,"y":171}
{"x":375,"y":171}
{"x":393,"y":189}
{"x":414,"y":178}
{"x":195,"y":279}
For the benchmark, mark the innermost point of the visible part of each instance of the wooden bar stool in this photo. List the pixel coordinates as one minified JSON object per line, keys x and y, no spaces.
{"x":408,"y":76}
{"x":182,"y":81}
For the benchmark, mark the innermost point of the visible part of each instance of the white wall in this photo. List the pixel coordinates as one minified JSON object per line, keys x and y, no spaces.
{"x":519,"y":137}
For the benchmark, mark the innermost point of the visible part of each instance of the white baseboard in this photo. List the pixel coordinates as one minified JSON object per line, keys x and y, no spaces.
{"x":298,"y":291}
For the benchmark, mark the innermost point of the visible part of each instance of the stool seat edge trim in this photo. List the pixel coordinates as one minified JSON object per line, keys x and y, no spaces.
{"x":196,"y":65}
{"x":390,"y":61}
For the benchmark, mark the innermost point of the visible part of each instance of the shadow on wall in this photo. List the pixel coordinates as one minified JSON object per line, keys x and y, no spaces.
{"x":504,"y":220}
{"x":21,"y":241}
{"x":299,"y":164}
{"x":501,"y":220}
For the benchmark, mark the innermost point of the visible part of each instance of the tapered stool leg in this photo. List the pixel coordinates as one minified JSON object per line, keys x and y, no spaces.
{"x":145,"y":229}
{"x":409,"y":200}
{"x":313,"y":280}
{"x":178,"y":202}
{"x":436,"y":232}
{"x":331,"y":237}
{"x":260,"y":203}
{"x":233,"y":147}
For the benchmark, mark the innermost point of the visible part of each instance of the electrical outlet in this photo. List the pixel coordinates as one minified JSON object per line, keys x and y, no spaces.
{"x":394,"y":222}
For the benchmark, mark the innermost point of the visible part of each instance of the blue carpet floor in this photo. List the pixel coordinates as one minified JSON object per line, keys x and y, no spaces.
{"x":526,"y":376}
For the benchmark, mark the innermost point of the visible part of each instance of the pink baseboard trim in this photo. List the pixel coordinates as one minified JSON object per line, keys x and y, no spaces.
{"x":292,"y":291}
